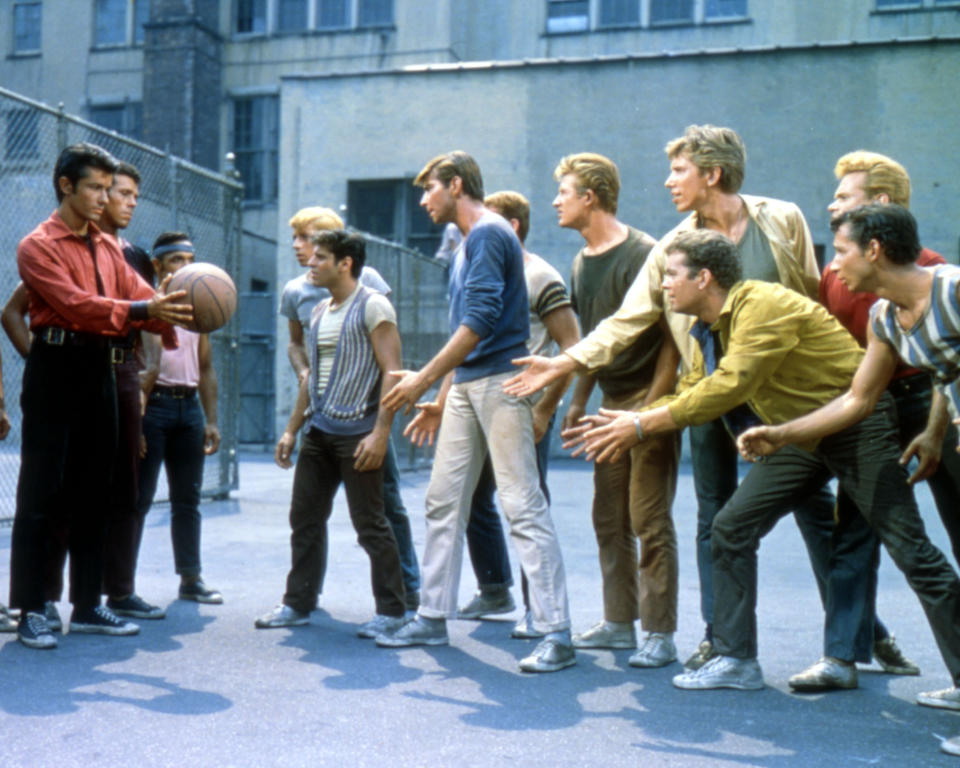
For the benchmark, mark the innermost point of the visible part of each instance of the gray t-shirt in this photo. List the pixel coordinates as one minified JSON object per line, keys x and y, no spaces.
{"x":756,"y":255}
{"x":300,"y":296}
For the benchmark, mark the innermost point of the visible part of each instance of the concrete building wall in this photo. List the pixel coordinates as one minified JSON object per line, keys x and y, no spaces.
{"x":797,"y":111}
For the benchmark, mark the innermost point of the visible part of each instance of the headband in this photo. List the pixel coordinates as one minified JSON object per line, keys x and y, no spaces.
{"x":183,"y":246}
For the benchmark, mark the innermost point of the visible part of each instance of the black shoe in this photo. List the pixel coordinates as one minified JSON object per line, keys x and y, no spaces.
{"x":135,"y":606}
{"x":100,"y":620}
{"x":33,"y":631}
{"x":200,"y":593}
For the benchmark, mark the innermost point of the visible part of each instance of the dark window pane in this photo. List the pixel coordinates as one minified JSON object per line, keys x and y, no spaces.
{"x":371,"y":207}
{"x":291,"y":15}
{"x":668,"y":11}
{"x":893,"y":3}
{"x":331,"y":14}
{"x":372,"y":13}
{"x":22,"y":140}
{"x":251,"y":16}
{"x":619,"y":12}
{"x":141,"y":15}
{"x":568,"y":15}
{"x":110,"y":22}
{"x":110,"y":117}
{"x":255,"y":143}
{"x":720,"y":9}
{"x":26,"y":27}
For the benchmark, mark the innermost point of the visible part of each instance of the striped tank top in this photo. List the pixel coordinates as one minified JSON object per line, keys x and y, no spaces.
{"x":933,"y":344}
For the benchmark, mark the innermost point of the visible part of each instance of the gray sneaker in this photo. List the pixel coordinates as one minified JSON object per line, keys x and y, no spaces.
{"x":524,"y":629}
{"x":282,"y":616}
{"x":723,"y":672}
{"x":607,"y":634}
{"x":488,"y":602}
{"x":657,"y":650}
{"x":34,"y":632}
{"x":948,"y":698}
{"x":100,"y":620}
{"x":417,"y":631}
{"x":7,"y":622}
{"x":550,"y":655}
{"x":52,"y":615}
{"x":951,"y":746}
{"x":379,"y":625}
{"x":828,"y":674}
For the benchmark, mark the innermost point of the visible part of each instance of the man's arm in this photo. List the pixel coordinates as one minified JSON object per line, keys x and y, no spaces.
{"x":385,"y":340}
{"x":297,"y":350}
{"x":869,"y":383}
{"x":14,"y":319}
{"x":207,"y":389}
{"x":563,"y":328}
{"x":425,"y":425}
{"x":298,"y":416}
{"x":151,"y":362}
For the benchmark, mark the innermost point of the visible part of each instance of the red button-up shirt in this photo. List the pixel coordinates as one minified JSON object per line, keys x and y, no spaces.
{"x":58,"y":270}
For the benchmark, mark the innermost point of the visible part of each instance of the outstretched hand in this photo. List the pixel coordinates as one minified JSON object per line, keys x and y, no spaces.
{"x":163,"y":306}
{"x":424,"y":426}
{"x":405,"y":393}
{"x":539,"y":372}
{"x":602,"y":437}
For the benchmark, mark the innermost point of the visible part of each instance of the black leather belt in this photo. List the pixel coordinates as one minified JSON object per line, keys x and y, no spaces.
{"x":178,"y":393}
{"x":121,"y":349}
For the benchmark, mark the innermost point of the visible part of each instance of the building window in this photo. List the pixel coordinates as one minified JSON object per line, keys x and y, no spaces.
{"x":390,"y":208}
{"x":26,"y":27}
{"x":120,"y":22}
{"x":574,"y":15}
{"x":21,"y":135}
{"x":263,"y":17}
{"x":255,"y":143}
{"x":125,"y":118}
{"x":909,"y":5}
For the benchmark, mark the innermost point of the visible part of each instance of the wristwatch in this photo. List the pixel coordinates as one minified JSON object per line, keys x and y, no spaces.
{"x":638,"y":425}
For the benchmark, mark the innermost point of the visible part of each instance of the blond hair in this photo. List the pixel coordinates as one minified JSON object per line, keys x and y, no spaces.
{"x":885,"y":176}
{"x":595,"y":172}
{"x":317,"y":217}
{"x":709,"y":147}
{"x":511,"y":205}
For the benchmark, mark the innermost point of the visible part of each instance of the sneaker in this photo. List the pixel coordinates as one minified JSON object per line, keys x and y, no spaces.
{"x":524,"y":630}
{"x":948,"y":698}
{"x":487,"y":603}
{"x":100,"y":620}
{"x":135,"y":606}
{"x":951,"y":746}
{"x":282,"y":616}
{"x":828,"y":674}
{"x":34,"y":632}
{"x":52,"y":615}
{"x":417,"y":631}
{"x":705,"y":652}
{"x":607,"y":634}
{"x":379,"y":625}
{"x":200,"y":593}
{"x":412,"y":600}
{"x":550,"y":655}
{"x":7,"y":622}
{"x":723,"y":672}
{"x":891,"y":658}
{"x":657,"y":650}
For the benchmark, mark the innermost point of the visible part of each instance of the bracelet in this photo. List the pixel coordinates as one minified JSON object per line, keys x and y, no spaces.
{"x":638,"y":426}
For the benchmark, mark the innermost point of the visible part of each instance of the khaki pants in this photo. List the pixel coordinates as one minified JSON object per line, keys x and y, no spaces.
{"x":632,"y":500}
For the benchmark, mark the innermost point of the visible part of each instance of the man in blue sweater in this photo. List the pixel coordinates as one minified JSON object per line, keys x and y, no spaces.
{"x":489,"y":324}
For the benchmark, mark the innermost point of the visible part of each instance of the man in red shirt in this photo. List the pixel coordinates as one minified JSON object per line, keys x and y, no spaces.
{"x":83,"y":299}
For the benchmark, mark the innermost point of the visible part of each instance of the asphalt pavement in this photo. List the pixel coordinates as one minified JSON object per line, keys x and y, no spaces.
{"x":204,"y":688}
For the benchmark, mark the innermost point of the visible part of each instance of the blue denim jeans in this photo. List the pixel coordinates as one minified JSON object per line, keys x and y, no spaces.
{"x":173,"y":430}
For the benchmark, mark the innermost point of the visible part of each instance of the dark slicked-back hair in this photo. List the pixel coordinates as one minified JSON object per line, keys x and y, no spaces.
{"x":706,"y":249}
{"x":891,"y":225}
{"x":75,"y":161}
{"x":126,"y":169}
{"x":456,"y":163}
{"x":342,"y":244}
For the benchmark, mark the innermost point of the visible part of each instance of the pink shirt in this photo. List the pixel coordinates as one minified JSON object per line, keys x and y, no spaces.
{"x":180,"y":367}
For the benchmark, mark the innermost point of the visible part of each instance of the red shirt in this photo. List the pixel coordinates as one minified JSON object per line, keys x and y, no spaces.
{"x":58,"y":271}
{"x":853,"y":309}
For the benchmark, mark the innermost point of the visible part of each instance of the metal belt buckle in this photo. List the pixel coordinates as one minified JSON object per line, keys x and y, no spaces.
{"x":55,"y":336}
{"x":117,"y":355}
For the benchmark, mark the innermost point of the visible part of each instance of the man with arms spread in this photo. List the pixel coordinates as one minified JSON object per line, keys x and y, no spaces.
{"x":490,"y":326}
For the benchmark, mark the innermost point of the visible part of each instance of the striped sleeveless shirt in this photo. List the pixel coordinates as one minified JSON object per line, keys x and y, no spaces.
{"x":933,"y":344}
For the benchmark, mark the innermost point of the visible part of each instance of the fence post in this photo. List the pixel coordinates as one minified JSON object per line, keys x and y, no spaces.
{"x":174,"y":192}
{"x":61,"y":128}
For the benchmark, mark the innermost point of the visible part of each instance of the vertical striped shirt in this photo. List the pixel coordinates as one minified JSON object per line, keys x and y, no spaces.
{"x":933,"y":343}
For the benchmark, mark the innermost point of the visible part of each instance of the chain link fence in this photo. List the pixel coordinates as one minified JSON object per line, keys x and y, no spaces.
{"x":174,"y":195}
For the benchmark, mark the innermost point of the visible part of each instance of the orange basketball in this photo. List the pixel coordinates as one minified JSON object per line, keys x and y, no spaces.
{"x":210,"y":291}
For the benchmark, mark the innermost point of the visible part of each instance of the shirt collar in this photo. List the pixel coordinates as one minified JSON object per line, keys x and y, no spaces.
{"x":60,"y":230}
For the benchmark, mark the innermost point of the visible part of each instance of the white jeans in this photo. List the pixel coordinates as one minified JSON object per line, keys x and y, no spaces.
{"x":479,"y":416}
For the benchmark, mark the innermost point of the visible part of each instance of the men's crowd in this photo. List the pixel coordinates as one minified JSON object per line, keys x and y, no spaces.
{"x":725,"y":325}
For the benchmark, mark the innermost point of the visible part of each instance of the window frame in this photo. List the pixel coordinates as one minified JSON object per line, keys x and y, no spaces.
{"x":130,"y":113}
{"x":352,"y":19}
{"x":266,"y":155}
{"x":17,"y":51}
{"x":133,"y":10}
{"x":592,"y":20}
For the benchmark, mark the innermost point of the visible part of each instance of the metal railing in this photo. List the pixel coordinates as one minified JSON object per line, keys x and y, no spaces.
{"x":174,"y":195}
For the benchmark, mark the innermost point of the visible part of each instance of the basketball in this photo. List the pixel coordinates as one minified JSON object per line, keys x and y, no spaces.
{"x":211,"y":293}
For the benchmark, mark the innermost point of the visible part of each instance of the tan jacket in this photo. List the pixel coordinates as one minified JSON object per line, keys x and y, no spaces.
{"x":792,"y":247}
{"x":782,"y":354}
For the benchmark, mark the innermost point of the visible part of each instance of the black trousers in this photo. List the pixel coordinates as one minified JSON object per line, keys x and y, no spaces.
{"x":68,"y":448}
